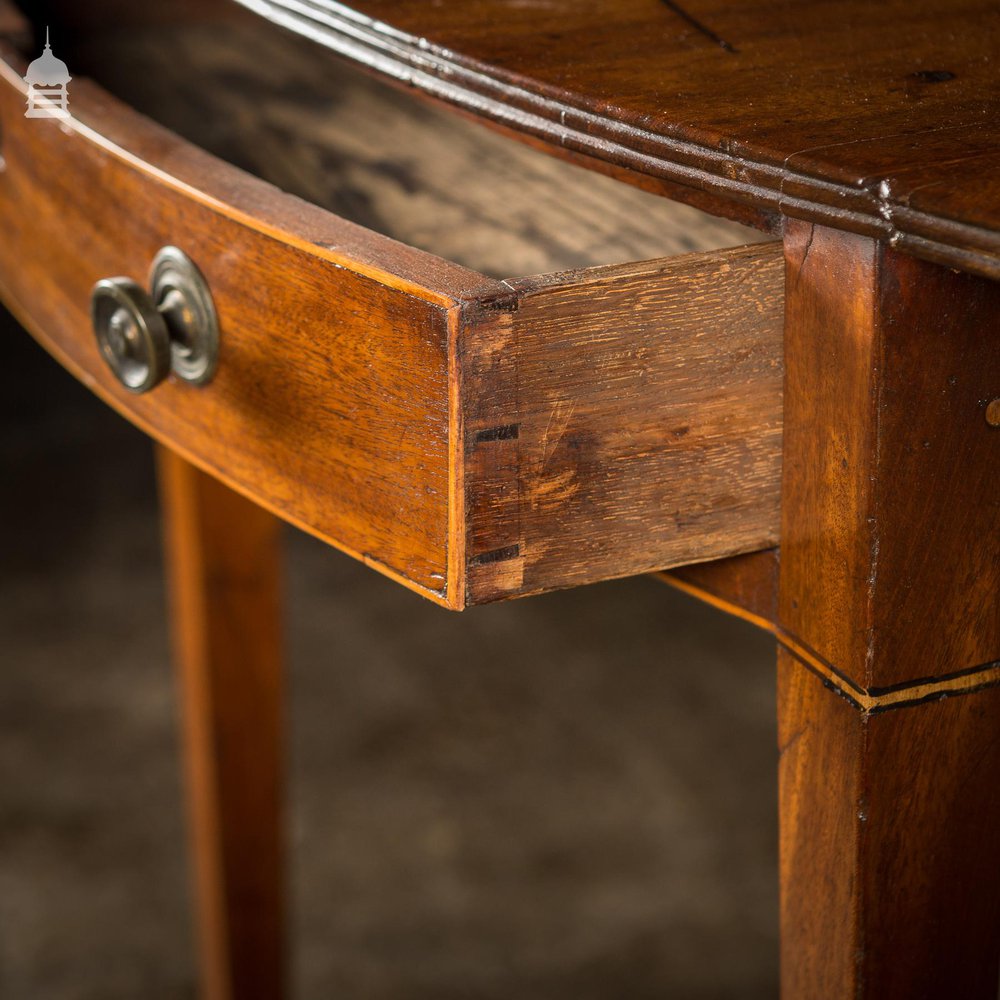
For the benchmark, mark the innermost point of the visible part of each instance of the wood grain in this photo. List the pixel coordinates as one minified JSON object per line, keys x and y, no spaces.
{"x":888,"y":844}
{"x":350,"y":365}
{"x":330,"y":405}
{"x":744,"y":585}
{"x":889,"y":689}
{"x":319,"y":129}
{"x":223,"y":570}
{"x":831,"y":112}
{"x":890,"y":521}
{"x":623,"y":419}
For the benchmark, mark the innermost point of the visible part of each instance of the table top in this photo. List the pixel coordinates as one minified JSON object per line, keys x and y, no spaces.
{"x":878,"y":117}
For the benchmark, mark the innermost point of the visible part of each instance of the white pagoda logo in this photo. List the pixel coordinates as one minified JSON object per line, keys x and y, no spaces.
{"x":47,"y":78}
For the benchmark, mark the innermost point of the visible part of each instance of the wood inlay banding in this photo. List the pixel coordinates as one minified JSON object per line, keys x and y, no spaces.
{"x":869,"y":700}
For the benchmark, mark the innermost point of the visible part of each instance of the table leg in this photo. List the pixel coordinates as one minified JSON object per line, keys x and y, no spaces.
{"x":890,"y":839}
{"x":223,"y":566}
{"x":889,"y":622}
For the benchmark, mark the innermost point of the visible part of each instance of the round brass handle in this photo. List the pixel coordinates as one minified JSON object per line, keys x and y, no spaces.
{"x":131,"y":333}
{"x":144,"y":337}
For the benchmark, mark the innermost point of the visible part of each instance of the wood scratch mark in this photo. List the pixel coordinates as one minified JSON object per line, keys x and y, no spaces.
{"x":555,"y":428}
{"x":800,"y":270}
{"x":792,"y":740}
{"x":809,"y":243}
{"x":698,"y":26}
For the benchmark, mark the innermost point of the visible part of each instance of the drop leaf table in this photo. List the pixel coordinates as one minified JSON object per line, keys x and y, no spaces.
{"x":798,"y":420}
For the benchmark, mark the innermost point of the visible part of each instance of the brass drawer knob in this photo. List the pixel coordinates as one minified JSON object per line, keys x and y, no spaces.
{"x":132,"y":335}
{"x":144,"y":337}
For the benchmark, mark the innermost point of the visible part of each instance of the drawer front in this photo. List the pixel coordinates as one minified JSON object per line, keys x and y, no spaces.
{"x":330,"y":404}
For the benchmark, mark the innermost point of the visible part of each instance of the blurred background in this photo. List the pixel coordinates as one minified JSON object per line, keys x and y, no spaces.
{"x":570,"y":796}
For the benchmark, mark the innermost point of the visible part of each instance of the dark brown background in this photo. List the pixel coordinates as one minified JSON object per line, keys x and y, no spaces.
{"x":566,"y":796}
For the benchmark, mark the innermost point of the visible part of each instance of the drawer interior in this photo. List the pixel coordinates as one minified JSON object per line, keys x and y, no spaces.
{"x":296,"y":115}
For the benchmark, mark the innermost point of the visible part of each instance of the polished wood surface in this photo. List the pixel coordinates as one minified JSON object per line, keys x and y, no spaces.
{"x":223,"y":570}
{"x":889,"y":680}
{"x":878,"y":119}
{"x":889,"y":820}
{"x":890,"y":520}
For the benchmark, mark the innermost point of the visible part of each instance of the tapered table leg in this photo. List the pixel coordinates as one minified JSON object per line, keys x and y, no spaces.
{"x":223,"y":566}
{"x":889,"y":845}
{"x":889,"y":622}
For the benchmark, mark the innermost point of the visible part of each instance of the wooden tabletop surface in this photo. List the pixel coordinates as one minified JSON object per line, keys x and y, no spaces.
{"x":881,"y":118}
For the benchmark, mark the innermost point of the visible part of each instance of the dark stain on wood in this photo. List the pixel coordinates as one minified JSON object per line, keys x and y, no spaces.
{"x":508,"y":432}
{"x":934,"y":75}
{"x":495,"y":556}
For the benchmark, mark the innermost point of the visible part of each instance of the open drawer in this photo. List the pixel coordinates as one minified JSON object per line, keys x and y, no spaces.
{"x":473,"y":438}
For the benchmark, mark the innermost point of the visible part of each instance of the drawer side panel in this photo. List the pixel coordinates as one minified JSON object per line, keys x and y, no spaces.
{"x":625,"y":419}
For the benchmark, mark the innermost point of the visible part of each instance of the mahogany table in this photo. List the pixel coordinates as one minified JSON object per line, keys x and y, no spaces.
{"x":804,"y":431}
